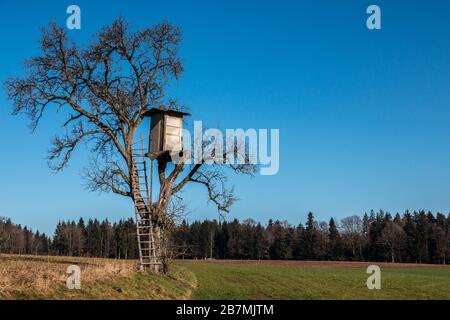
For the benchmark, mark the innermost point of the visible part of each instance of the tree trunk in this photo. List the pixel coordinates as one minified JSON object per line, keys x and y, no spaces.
{"x":392,"y":255}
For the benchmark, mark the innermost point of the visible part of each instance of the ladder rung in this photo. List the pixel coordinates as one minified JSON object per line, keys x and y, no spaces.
{"x":148,"y":258}
{"x":144,"y":234}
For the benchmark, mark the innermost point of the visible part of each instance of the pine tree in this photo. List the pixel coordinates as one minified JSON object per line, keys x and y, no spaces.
{"x":80,"y":238}
{"x":310,"y":237}
{"x":261,"y":250}
{"x":422,"y":241}
{"x":299,"y":246}
{"x":409,"y":226}
{"x":334,"y":252}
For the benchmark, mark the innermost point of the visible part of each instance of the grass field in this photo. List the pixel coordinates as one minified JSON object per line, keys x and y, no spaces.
{"x":31,"y":277}
{"x":316,"y":280}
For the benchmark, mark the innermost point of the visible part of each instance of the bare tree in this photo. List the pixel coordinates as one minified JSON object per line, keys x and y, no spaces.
{"x":352,"y":229}
{"x":442,"y":244}
{"x":393,"y":237}
{"x":104,"y":90}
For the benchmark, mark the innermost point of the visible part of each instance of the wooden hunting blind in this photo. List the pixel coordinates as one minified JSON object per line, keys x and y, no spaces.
{"x":166,"y":129}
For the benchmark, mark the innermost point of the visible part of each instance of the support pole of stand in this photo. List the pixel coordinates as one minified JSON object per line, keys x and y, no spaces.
{"x":151,"y":183}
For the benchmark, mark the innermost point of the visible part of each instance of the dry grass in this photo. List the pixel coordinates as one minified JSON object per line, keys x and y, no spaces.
{"x":46,"y":275}
{"x":41,"y":277}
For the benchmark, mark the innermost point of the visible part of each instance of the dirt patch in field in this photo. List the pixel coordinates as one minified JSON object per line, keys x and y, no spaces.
{"x":317,"y":264}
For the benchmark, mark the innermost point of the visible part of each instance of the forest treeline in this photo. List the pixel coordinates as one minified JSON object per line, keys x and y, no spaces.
{"x":92,"y":239}
{"x":419,"y":237}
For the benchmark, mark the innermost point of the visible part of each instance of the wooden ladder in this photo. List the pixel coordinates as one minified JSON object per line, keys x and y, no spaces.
{"x":142,"y":203}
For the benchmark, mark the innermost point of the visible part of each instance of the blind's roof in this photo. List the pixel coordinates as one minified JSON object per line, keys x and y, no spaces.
{"x":170,"y":112}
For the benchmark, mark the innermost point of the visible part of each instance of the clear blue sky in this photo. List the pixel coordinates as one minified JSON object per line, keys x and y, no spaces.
{"x":364,"y":116}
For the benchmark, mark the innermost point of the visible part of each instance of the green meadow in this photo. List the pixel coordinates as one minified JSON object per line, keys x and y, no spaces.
{"x":230,"y":280}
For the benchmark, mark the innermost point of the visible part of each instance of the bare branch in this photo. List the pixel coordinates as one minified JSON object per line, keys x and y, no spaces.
{"x":214,"y":181}
{"x":62,"y":147}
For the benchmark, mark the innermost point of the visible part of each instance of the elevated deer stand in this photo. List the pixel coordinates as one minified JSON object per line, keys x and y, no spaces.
{"x":165,"y":139}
